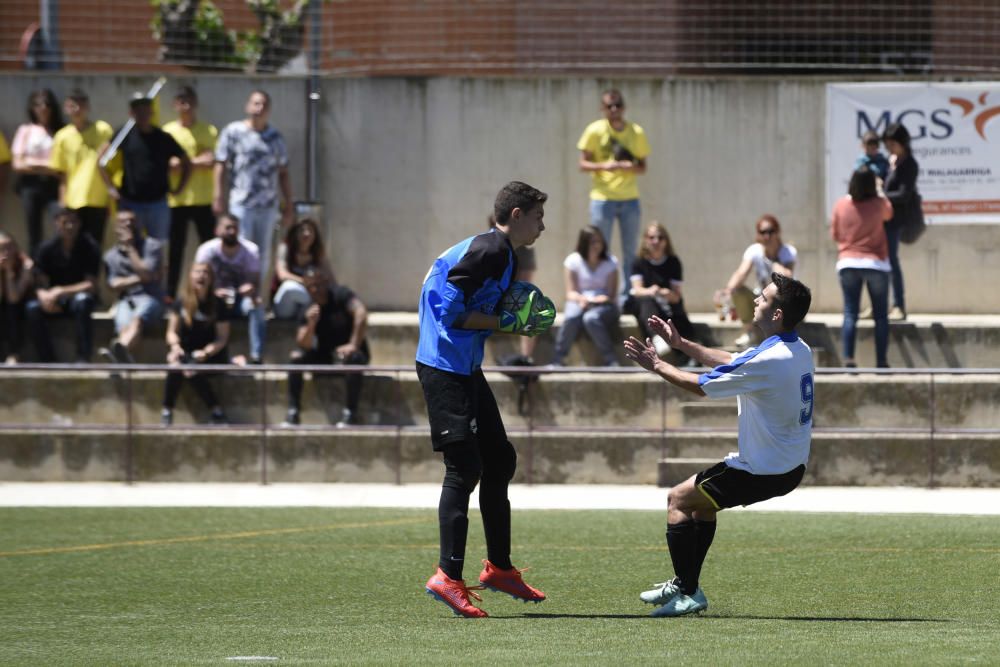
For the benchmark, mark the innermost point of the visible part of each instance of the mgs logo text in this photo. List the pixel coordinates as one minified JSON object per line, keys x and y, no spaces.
{"x":935,"y":124}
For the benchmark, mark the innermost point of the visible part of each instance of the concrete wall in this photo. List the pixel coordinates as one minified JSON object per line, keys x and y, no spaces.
{"x":409,"y":166}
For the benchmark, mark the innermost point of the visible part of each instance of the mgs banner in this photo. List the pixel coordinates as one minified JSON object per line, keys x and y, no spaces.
{"x":956,"y":141}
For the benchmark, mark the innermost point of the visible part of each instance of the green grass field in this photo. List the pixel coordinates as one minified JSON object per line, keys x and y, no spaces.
{"x":318,"y":586}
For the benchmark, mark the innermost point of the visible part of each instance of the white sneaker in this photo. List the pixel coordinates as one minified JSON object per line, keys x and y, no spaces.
{"x":661,"y":593}
{"x":662,"y":346}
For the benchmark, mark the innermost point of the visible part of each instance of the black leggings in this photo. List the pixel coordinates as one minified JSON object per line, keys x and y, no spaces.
{"x":204,"y":224}
{"x":36,"y":193}
{"x":644,"y":307}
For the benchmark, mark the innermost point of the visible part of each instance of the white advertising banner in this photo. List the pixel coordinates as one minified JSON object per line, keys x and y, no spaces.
{"x":956,"y":141}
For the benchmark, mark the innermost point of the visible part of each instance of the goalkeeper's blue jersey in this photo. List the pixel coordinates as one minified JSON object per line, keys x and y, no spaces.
{"x":467,"y":277}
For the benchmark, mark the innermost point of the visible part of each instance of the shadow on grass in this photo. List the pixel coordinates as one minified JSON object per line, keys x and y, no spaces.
{"x":818,"y":619}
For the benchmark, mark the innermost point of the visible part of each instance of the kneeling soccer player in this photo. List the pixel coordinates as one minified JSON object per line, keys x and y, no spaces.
{"x":458,"y":312}
{"x":773,"y":383}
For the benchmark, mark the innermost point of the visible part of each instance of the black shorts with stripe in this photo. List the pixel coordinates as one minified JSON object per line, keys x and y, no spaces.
{"x":726,"y":486}
{"x":460,"y":408}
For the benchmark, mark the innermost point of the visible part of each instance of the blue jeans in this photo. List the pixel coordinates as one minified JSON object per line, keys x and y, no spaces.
{"x":598,"y":321}
{"x":80,"y":307}
{"x":851,"y":281}
{"x":153,"y":216}
{"x":258,"y":225}
{"x":898,"y":297}
{"x":602,"y":216}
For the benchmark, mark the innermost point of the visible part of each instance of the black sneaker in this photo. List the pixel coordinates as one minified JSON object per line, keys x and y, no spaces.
{"x":218,"y":417}
{"x":166,"y":417}
{"x":121,"y":353}
{"x":346,"y":419}
{"x":291,"y":418}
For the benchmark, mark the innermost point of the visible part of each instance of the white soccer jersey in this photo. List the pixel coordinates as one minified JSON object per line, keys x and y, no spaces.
{"x":773,"y":384}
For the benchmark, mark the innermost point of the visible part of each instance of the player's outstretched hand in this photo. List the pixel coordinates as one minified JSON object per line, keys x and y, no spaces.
{"x":641,"y":353}
{"x":665,"y":330}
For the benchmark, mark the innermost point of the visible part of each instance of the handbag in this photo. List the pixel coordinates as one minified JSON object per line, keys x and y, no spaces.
{"x":913,"y":220}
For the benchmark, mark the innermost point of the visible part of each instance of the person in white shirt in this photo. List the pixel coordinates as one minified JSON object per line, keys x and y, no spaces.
{"x":773,"y":383}
{"x":591,"y":276}
{"x":766,"y":255}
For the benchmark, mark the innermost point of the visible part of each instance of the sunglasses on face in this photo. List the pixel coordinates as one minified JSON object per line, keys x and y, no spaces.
{"x":767,"y":232}
{"x":615,"y":105}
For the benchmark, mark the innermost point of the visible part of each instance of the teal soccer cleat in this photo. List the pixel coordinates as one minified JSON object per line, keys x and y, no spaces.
{"x":682,"y":605}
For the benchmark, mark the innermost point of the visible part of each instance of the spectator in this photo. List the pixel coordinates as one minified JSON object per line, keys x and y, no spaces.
{"x":591,"y":276}
{"x":301,"y":253}
{"x":871,"y":156}
{"x":526,"y":267}
{"x":66,"y":269}
{"x":900,"y":188}
{"x":15,"y":289}
{"x":4,"y":167}
{"x":768,"y":254}
{"x":332,"y":331}
{"x":857,"y":224}
{"x":656,"y":281}
{"x":75,"y":149}
{"x":134,"y":270}
{"x":37,"y":184}
{"x":235,"y":265}
{"x":614,"y":151}
{"x":193,"y":202}
{"x":144,"y":157}
{"x":197,"y":333}
{"x":253,"y":155}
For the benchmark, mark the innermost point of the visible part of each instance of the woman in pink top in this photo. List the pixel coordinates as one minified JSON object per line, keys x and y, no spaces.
{"x":863,"y":259}
{"x":37,"y":184}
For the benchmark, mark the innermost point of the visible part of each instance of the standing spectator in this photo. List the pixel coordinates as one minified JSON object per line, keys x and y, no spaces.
{"x":134,"y":268}
{"x":235,"y":264}
{"x":193,"y":203}
{"x":15,"y":288}
{"x":656,"y":281}
{"x":332,"y":331}
{"x":591,"y":276}
{"x":901,"y":189}
{"x":301,"y":253}
{"x":196,"y":334}
{"x":75,"y":150}
{"x":768,"y":254}
{"x":66,"y":269}
{"x":857,"y":224}
{"x":144,"y":156}
{"x":871,"y":156}
{"x":252,"y":154}
{"x":614,"y":150}
{"x":4,"y":167}
{"x":37,"y":184}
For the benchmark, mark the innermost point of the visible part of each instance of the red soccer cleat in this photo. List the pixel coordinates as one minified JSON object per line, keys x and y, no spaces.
{"x":509,"y":582}
{"x":455,"y":594}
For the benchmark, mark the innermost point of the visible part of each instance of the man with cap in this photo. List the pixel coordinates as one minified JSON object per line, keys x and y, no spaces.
{"x":144,"y":160}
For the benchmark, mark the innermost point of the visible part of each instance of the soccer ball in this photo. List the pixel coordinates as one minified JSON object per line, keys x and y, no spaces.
{"x":517,"y":294}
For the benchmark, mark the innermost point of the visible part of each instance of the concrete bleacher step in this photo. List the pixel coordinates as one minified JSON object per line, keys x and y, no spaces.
{"x":623,"y":400}
{"x":226,"y":454}
{"x":923,"y":341}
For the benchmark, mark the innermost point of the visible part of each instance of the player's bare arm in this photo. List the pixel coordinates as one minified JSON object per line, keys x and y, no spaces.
{"x":644,"y":354}
{"x":706,"y":356}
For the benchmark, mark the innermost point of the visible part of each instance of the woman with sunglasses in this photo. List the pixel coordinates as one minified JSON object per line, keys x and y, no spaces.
{"x":655,"y":287}
{"x":766,"y":255}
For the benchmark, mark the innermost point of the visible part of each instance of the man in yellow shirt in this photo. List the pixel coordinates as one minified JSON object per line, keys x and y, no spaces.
{"x":614,"y":150}
{"x":75,"y":150}
{"x":4,"y":167}
{"x":193,"y":203}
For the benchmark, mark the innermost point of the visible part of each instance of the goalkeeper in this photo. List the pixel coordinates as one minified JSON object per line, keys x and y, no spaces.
{"x":458,"y":312}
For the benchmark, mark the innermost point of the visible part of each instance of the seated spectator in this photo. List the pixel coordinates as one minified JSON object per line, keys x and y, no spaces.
{"x":235,"y":263}
{"x":332,"y":331}
{"x":302,"y":252}
{"x":37,"y":184}
{"x":66,"y":272}
{"x":197,"y":333}
{"x":655,"y":289}
{"x":144,"y":159}
{"x":857,"y":224}
{"x":15,"y":289}
{"x":75,"y":150}
{"x":762,"y":257}
{"x":591,"y":277}
{"x":134,"y":269}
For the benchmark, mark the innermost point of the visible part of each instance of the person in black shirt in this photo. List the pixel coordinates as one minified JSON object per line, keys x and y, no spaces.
{"x":332,"y":331}
{"x":655,"y":287}
{"x":145,"y":162}
{"x":900,"y":188}
{"x":66,"y":272}
{"x":196,"y":334}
